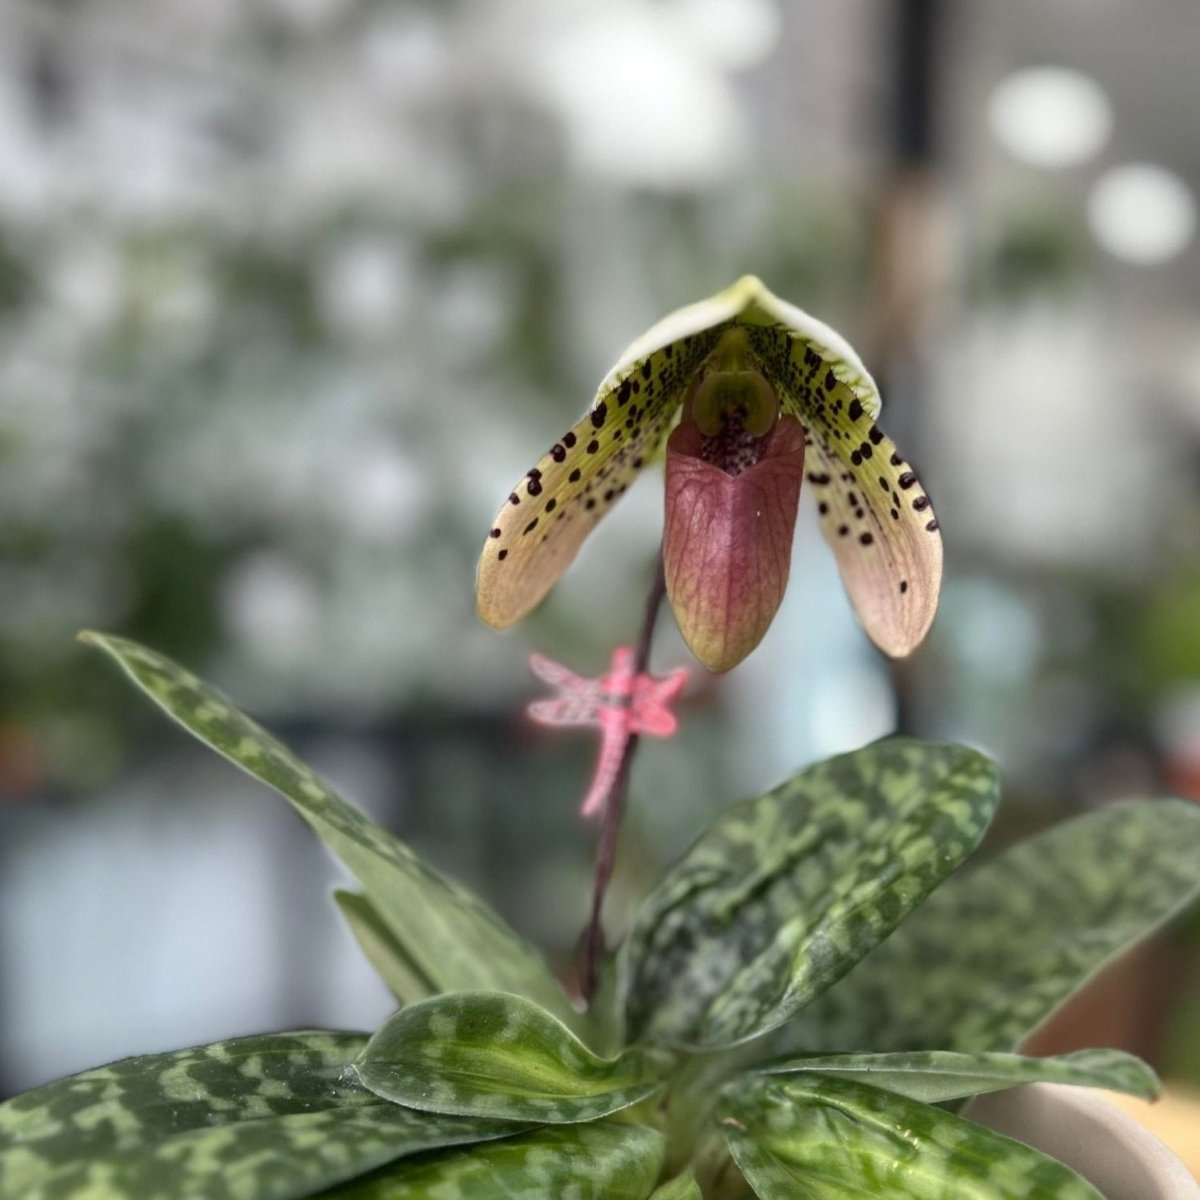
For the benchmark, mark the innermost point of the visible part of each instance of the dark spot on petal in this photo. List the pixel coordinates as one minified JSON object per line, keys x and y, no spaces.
{"x":646,"y":369}
{"x":494,"y":533}
{"x":609,"y":495}
{"x":907,"y":480}
{"x":599,"y":413}
{"x":531,"y":526}
{"x":502,"y":555}
{"x":558,"y":453}
{"x":883,"y":483}
{"x":932,"y":526}
{"x":590,"y":504}
{"x":514,"y":499}
{"x":895,"y":460}
{"x":855,"y":410}
{"x":843,"y":530}
{"x":637,"y":463}
{"x":551,"y":504}
{"x":865,"y":539}
{"x":624,"y":392}
{"x":876,"y":435}
{"x":856,"y":458}
{"x":903,"y":586}
{"x":865,"y":450}
{"x":592,"y":446}
{"x":895,"y":514}
{"x":831,"y":383}
{"x":921,"y":503}
{"x":535,"y":487}
{"x":569,"y":440}
{"x":574,"y":476}
{"x":823,"y":508}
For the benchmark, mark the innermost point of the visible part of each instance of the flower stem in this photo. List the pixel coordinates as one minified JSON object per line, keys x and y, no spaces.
{"x":614,"y":803}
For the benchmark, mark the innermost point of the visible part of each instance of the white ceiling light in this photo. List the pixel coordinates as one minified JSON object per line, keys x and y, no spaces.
{"x":1050,"y":116}
{"x":1142,"y":213}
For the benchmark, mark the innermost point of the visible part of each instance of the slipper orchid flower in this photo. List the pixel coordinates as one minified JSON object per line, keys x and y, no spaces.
{"x":751,"y":396}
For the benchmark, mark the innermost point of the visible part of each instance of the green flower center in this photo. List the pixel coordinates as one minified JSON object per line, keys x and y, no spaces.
{"x":732,"y":391}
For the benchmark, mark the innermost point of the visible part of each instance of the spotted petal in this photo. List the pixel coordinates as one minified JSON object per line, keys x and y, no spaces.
{"x":542,"y":524}
{"x":874,"y":513}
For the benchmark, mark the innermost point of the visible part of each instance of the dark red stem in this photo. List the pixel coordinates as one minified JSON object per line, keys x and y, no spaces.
{"x":614,"y":803}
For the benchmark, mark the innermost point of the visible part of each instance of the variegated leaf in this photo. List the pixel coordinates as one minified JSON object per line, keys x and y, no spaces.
{"x":382,"y":948}
{"x":606,"y":1160}
{"x":832,"y":1139}
{"x":453,"y":939}
{"x":492,"y":1055}
{"x":786,"y":892}
{"x":937,"y":1075}
{"x":993,"y":953}
{"x":257,"y":1118}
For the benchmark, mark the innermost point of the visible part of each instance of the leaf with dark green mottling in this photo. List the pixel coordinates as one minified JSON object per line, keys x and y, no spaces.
{"x":452,"y":938}
{"x":606,"y":1160}
{"x":830,"y":1139}
{"x":787,"y":891}
{"x":991,"y":955}
{"x":383,"y":950}
{"x":257,"y":1118}
{"x":937,"y":1075}
{"x":492,"y":1055}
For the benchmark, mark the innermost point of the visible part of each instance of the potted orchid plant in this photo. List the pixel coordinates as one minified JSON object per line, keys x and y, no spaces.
{"x":803,"y":1005}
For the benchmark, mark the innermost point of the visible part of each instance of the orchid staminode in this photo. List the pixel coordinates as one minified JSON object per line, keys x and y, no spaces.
{"x":757,"y":386}
{"x":621,"y":703}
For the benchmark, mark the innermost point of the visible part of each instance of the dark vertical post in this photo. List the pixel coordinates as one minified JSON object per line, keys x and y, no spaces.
{"x":905,"y":267}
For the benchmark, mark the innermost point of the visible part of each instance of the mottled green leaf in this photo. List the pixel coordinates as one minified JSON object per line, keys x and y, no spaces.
{"x":937,"y":1075}
{"x":787,"y":891}
{"x":383,"y":950}
{"x":491,"y":1055}
{"x":606,"y":1160}
{"x":453,"y":939}
{"x":833,"y":1139}
{"x":257,"y":1118}
{"x":989,"y":956}
{"x":682,"y":1187}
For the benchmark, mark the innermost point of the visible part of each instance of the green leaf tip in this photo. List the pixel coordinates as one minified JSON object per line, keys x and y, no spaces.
{"x":451,"y":938}
{"x":495,"y":1055}
{"x":786,"y":892}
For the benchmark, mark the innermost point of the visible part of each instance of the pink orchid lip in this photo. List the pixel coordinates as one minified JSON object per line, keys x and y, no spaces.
{"x":727,"y":541}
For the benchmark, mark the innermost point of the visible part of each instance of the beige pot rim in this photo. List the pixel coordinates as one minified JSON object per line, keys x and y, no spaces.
{"x":1079,"y":1127}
